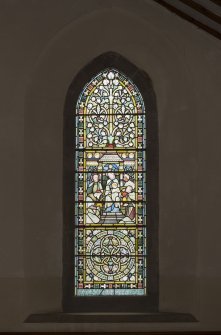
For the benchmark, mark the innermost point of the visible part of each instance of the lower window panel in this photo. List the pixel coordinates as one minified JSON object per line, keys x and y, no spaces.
{"x":110,"y":275}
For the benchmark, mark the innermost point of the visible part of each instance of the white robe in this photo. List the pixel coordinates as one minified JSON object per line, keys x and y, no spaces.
{"x":112,"y":193}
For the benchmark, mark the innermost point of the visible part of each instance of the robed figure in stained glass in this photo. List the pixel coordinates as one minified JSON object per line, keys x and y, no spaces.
{"x":112,"y":194}
{"x":95,"y":189}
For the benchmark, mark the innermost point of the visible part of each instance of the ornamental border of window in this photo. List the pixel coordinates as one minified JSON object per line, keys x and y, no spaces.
{"x":148,"y":302}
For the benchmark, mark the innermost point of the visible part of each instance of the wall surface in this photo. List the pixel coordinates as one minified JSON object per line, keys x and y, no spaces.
{"x":43,"y":46}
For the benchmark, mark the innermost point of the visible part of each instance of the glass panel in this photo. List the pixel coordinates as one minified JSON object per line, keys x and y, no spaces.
{"x":107,"y":213}
{"x":110,"y":188}
{"x":109,"y":160}
{"x":118,"y":131}
{"x":117,"y":241}
{"x":110,"y":275}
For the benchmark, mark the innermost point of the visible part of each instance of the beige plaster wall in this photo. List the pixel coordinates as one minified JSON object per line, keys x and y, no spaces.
{"x":43,"y":45}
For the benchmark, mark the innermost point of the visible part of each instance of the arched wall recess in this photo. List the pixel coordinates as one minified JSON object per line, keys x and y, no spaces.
{"x":136,"y":289}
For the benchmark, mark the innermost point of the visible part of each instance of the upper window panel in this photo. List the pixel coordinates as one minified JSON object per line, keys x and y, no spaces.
{"x":114,"y":113}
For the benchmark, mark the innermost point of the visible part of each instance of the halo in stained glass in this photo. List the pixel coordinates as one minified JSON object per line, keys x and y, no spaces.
{"x":110,"y":188}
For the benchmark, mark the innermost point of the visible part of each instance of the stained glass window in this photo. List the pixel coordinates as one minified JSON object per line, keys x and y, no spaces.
{"x":110,"y":188}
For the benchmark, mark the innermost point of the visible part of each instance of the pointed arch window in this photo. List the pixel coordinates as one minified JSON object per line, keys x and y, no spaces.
{"x":110,"y":190}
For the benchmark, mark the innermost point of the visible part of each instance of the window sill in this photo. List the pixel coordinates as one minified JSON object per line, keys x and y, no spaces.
{"x":109,"y":317}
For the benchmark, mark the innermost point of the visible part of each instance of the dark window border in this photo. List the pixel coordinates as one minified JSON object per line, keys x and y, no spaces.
{"x":115,"y":304}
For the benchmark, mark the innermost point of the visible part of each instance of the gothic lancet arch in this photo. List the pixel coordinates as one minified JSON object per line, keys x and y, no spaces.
{"x":110,"y":190}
